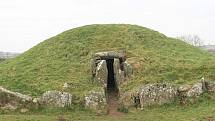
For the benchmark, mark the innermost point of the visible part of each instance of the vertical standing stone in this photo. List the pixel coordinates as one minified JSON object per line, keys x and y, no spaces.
{"x":102,"y":73}
{"x":116,"y":71}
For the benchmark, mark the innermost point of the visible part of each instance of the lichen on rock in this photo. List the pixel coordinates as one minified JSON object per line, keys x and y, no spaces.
{"x":196,"y":90}
{"x":10,"y":100}
{"x":56,"y":99}
{"x":150,"y":94}
{"x":153,"y":94}
{"x":96,"y":101}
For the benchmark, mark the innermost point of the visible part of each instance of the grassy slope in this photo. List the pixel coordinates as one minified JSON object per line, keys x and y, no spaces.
{"x":66,"y":58}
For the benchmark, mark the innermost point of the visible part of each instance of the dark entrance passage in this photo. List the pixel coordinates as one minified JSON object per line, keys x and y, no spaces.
{"x":112,"y":89}
{"x":110,"y":70}
{"x":111,"y":81}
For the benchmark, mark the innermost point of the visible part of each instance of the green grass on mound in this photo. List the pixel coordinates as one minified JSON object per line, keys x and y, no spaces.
{"x":66,"y":58}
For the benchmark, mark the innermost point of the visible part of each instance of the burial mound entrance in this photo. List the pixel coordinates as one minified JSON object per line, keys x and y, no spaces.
{"x":111,"y":70}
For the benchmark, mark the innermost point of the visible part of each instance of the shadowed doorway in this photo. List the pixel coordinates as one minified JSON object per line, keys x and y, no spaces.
{"x":112,"y":89}
{"x":111,"y":80}
{"x":109,"y":69}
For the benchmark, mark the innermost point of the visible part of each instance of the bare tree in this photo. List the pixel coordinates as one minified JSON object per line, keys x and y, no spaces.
{"x":194,"y":40}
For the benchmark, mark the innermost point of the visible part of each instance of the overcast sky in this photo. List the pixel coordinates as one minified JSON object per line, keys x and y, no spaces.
{"x":25,"y":23}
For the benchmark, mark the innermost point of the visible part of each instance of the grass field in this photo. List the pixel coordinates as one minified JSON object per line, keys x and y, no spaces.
{"x":201,"y":111}
{"x":66,"y":58}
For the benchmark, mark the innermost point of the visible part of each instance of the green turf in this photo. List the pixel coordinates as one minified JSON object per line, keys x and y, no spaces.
{"x":201,"y":111}
{"x":66,"y":58}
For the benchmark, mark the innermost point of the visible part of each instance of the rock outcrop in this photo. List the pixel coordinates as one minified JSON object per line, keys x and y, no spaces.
{"x":189,"y":93}
{"x":157,"y":94}
{"x":12,"y":100}
{"x":150,"y":94}
{"x":195,"y":90}
{"x":55,"y":99}
{"x":96,"y":101}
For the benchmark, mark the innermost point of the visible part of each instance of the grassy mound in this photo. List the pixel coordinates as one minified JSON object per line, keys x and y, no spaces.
{"x":66,"y":58}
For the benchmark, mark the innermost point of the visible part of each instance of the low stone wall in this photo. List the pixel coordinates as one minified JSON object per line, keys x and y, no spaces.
{"x":12,"y":100}
{"x":145,"y":95}
{"x":159,"y":94}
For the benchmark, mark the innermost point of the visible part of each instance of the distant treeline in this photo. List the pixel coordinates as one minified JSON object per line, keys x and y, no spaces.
{"x":6,"y":55}
{"x":209,"y":48}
